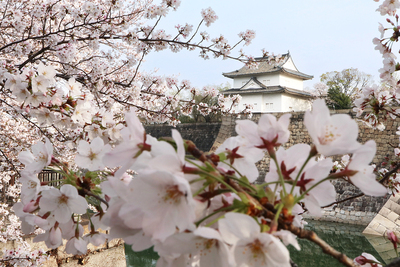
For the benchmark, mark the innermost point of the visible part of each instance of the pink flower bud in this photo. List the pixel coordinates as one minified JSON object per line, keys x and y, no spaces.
{"x":392,"y":238}
{"x":31,"y":206}
{"x":361,"y":260}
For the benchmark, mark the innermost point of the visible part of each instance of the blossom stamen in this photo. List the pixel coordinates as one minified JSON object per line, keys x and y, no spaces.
{"x":173,"y":194}
{"x":63,"y":199}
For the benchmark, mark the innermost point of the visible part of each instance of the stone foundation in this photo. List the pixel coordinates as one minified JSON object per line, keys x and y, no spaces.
{"x":111,"y":253}
{"x":387,"y":219}
{"x":343,"y":216}
{"x":355,"y":211}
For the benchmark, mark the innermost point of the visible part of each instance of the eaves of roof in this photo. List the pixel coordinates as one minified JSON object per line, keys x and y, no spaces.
{"x":254,"y":79}
{"x":268,"y":90}
{"x":297,"y":74}
{"x":294,"y":73}
{"x":263,"y":67}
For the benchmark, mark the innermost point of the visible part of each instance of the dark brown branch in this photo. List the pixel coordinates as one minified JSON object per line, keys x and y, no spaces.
{"x":343,"y":200}
{"x":9,"y":162}
{"x":32,"y":57}
{"x":326,"y":248}
{"x":389,"y":173}
{"x":90,"y":193}
{"x":31,"y":122}
{"x":385,"y":177}
{"x":282,"y":224}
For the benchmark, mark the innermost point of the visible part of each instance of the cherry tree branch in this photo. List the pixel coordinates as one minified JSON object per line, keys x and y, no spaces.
{"x":31,"y":122}
{"x":301,"y":233}
{"x":385,"y":177}
{"x":9,"y":162}
{"x":326,"y":248}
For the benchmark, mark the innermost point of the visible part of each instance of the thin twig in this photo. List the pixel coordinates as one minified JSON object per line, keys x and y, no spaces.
{"x":89,"y":193}
{"x":343,"y":200}
{"x":301,"y":233}
{"x":9,"y":162}
{"x":326,"y":248}
{"x":385,"y":177}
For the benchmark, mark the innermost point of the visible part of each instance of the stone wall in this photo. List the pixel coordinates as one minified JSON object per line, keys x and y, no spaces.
{"x":111,"y":253}
{"x":365,"y":207}
{"x":388,"y":218}
{"x":202,"y":134}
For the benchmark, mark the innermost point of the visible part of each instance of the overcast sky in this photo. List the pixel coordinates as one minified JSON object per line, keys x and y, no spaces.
{"x":321,"y":35}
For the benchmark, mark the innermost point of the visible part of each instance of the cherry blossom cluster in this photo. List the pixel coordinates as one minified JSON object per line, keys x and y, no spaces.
{"x":70,"y":70}
{"x":247,"y":36}
{"x":382,"y":98}
{"x":91,"y":55}
{"x":21,"y":257}
{"x":209,"y":16}
{"x":375,"y":104}
{"x":193,"y":207}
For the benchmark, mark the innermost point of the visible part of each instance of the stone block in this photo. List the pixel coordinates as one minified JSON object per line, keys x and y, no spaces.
{"x":376,"y":240}
{"x":370,"y":231}
{"x":111,"y":257}
{"x":391,"y":253}
{"x":384,"y":222}
{"x":51,"y":262}
{"x":395,"y":198}
{"x":384,"y":211}
{"x":384,"y":247}
{"x":115,"y":242}
{"x":393,"y":206}
{"x":392,"y":216}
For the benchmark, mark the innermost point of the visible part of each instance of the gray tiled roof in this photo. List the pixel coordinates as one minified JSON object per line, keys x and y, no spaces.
{"x":254,"y":79}
{"x":268,"y":90}
{"x":264,"y":67}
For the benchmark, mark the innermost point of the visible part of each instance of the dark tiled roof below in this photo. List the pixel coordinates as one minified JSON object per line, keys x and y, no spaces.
{"x":268,"y":90}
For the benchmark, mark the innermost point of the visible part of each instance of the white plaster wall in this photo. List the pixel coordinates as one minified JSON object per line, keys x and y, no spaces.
{"x":275,"y":100}
{"x":290,"y":65}
{"x":260,"y":101}
{"x":268,"y":80}
{"x":293,"y":103}
{"x":251,"y":85}
{"x":239,"y":82}
{"x":291,"y":82}
{"x":253,"y":99}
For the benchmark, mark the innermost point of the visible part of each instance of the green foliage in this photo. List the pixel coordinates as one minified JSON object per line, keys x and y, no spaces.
{"x":339,"y":99}
{"x":198,"y":116}
{"x":344,"y":86}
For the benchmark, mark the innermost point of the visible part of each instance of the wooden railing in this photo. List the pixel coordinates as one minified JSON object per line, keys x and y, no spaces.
{"x":47,"y":176}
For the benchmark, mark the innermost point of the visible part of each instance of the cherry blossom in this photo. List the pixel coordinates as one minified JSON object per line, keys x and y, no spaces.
{"x":250,"y":246}
{"x":63,"y":202}
{"x":195,"y":208}
{"x":134,"y":143}
{"x":269,"y":132}
{"x":364,"y":178}
{"x":235,"y":150}
{"x":205,"y":245}
{"x":166,"y":202}
{"x":90,"y":156}
{"x":367,"y":260}
{"x":41,"y":157}
{"x":336,"y":134}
